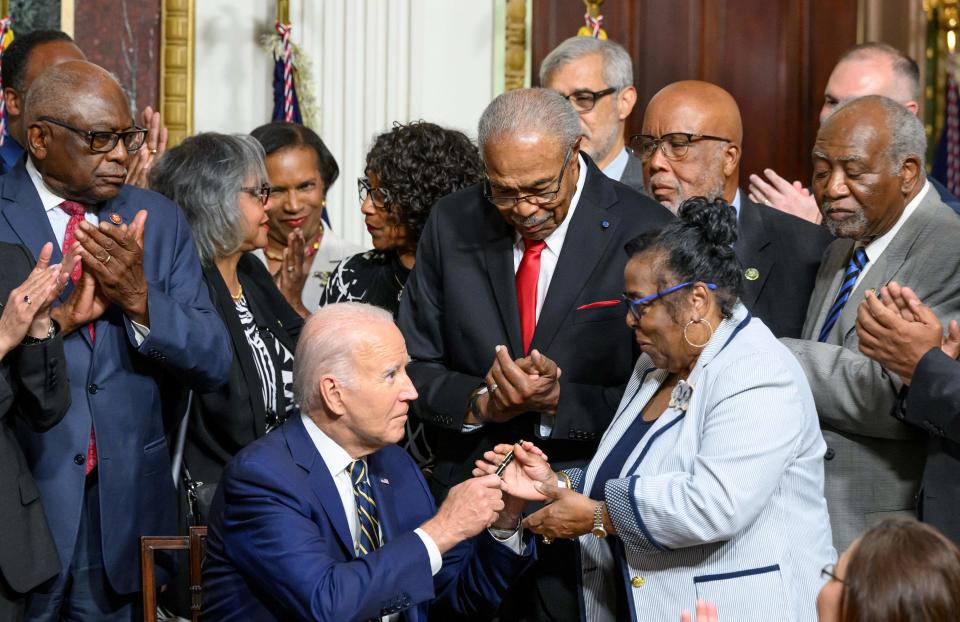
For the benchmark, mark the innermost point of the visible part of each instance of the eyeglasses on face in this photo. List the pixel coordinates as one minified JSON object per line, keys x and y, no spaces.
{"x":673,"y":145}
{"x":584,"y":101}
{"x":830,"y":572}
{"x":102,"y":141}
{"x":379,"y":196}
{"x":261,"y":192}
{"x":639,"y":306}
{"x":541,"y":198}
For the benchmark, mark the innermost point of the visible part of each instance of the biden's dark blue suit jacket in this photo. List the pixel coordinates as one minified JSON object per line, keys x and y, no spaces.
{"x":280,"y":548}
{"x":115,"y":385}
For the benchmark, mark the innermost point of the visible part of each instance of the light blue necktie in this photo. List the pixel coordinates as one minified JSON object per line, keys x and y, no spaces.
{"x":368,"y":538}
{"x":857,"y":262}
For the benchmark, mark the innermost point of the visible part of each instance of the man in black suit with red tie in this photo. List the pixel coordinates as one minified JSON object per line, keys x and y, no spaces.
{"x":512,"y":313}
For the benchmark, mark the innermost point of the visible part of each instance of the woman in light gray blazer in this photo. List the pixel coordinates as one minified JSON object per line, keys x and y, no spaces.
{"x":708,"y":484}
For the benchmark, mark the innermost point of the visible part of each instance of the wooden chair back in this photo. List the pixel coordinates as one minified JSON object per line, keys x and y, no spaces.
{"x":194,"y":543}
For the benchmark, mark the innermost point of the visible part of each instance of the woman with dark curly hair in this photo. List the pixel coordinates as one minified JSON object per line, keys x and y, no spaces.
{"x":408,"y":169}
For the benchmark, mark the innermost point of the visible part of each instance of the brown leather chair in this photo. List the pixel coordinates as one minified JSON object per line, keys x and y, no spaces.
{"x":194,"y":543}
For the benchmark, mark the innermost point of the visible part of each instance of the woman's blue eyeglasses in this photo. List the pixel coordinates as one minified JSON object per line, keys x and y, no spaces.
{"x":637,"y":306}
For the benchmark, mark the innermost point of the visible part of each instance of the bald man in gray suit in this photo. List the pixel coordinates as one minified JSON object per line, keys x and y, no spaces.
{"x":870,"y":185}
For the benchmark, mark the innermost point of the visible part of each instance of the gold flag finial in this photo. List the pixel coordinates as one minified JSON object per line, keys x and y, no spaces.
{"x":283,"y":11}
{"x":593,"y":21}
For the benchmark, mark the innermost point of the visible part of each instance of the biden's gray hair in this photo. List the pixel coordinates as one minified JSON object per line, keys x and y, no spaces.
{"x":907,"y":135}
{"x":616,"y":62}
{"x":529,"y":110}
{"x":203,"y":175}
{"x":326,"y":346}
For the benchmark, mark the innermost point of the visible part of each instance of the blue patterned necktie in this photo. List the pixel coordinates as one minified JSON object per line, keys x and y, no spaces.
{"x":857,"y":262}
{"x":368,"y":538}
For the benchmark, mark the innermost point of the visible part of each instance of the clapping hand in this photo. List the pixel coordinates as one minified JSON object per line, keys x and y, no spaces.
{"x":114,"y":257}
{"x":528,"y":384}
{"x":292,"y":276}
{"x":897,"y":330}
{"x":27,"y":309}
{"x":154,"y":146}
{"x":778,"y":193}
{"x":706,"y":612}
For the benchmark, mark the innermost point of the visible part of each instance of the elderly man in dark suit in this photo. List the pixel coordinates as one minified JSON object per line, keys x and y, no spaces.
{"x":870,"y":182}
{"x":905,"y":336}
{"x":138,"y":315}
{"x":512,"y":313}
{"x":596,"y":75}
{"x":690,"y":146}
{"x":33,"y":388}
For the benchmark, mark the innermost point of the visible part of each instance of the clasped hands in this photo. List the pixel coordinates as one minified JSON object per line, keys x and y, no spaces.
{"x":896,"y":329}
{"x":27,"y":309}
{"x":531,"y":383}
{"x":112,"y":258}
{"x":529,"y":477}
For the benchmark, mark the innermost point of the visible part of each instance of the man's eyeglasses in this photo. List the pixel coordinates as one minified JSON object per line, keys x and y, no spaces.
{"x":638,"y":306}
{"x":541,"y":198}
{"x":830,"y":572}
{"x":584,"y":101}
{"x":379,"y":196}
{"x":102,"y":141}
{"x":261,"y":192}
{"x":673,"y":145}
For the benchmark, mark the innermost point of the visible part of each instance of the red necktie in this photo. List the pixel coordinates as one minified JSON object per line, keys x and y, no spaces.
{"x":77,"y":213}
{"x":528,"y":274}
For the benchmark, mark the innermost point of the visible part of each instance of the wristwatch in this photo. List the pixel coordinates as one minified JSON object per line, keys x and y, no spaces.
{"x":475,"y":403}
{"x":598,"y":529}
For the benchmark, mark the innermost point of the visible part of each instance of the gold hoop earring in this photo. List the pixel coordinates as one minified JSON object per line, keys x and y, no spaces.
{"x":687,"y":339}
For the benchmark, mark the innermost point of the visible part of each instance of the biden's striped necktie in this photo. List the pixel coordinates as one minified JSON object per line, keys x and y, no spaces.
{"x":857,"y":262}
{"x":368,"y":538}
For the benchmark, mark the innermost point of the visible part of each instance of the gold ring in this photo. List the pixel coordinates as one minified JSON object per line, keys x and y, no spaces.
{"x":107,"y":260}
{"x":153,"y":152}
{"x":547,"y":539}
{"x":26,"y":299}
{"x":289,"y":268}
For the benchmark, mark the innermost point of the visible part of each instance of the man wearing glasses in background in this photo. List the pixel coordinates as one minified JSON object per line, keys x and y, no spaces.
{"x":690,"y":146}
{"x":136,"y":318}
{"x":513,"y":315}
{"x":596,"y":75}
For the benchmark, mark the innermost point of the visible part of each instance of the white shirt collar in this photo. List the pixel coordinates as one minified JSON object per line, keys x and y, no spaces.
{"x":334,"y":456}
{"x":48,"y":198}
{"x":555,"y":240}
{"x":875,"y":248}
{"x":617,"y":166}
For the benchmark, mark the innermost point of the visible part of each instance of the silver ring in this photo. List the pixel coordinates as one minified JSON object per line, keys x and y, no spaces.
{"x":767,"y":203}
{"x":289,"y":268}
{"x":493,"y":387}
{"x":26,"y":299}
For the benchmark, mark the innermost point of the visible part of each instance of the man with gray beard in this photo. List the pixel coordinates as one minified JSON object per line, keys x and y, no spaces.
{"x":690,"y":146}
{"x":870,"y":184}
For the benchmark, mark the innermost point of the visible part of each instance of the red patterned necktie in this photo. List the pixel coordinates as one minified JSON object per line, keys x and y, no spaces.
{"x":77,"y":213}
{"x":528,"y":275}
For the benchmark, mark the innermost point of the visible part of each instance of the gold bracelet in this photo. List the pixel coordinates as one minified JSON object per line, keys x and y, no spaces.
{"x":566,"y":479}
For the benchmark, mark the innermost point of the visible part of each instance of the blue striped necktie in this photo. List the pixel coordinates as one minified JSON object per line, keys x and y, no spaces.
{"x":368,"y":538}
{"x":857,"y":262}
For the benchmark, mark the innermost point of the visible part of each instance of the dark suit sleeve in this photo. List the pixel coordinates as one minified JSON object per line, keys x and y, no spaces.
{"x":186,"y":334}
{"x":444,"y":393}
{"x":933,"y":399}
{"x":43,"y":394}
{"x":281,"y":550}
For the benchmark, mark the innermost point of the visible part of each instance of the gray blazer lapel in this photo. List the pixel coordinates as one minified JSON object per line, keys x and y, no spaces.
{"x":835,"y":261}
{"x":888,"y":264}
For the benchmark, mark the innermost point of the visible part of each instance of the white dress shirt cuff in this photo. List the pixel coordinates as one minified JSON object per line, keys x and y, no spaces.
{"x":436,"y":559}
{"x":140,"y":332}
